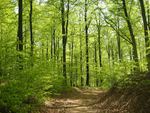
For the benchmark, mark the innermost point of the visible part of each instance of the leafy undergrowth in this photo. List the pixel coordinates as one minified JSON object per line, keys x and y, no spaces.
{"x":133,"y":97}
{"x":25,"y":90}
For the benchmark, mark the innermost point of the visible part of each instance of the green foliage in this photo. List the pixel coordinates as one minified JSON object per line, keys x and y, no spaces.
{"x":37,"y":82}
{"x":23,"y":90}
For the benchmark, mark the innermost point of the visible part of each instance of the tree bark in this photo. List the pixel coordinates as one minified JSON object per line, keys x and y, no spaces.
{"x":147,"y":43}
{"x":134,"y":45}
{"x":64,"y":34}
{"x":118,"y":38}
{"x":87,"y":50}
{"x":20,"y":34}
{"x":148,"y":13}
{"x":53,"y":44}
{"x":81,"y":66}
{"x":99,"y":43}
{"x":76,"y":70}
{"x":31,"y":32}
{"x":20,"y":30}
{"x":63,"y":38}
{"x":72,"y":54}
{"x":47,"y":49}
{"x":81,"y":52}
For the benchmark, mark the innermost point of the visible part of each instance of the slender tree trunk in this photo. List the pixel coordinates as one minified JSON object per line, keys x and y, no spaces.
{"x":42,"y":51}
{"x":1,"y":52}
{"x":20,"y":33}
{"x":54,"y":44}
{"x":20,"y":30}
{"x":70,"y":65}
{"x":148,"y":13}
{"x":64,"y":34}
{"x":25,"y":38}
{"x":58,"y":55}
{"x":118,"y":40}
{"x":118,"y":36}
{"x":109,"y":55}
{"x":63,"y":38}
{"x":134,"y":45}
{"x":119,"y":48}
{"x":112,"y":53}
{"x":76,"y":70}
{"x":99,"y":43}
{"x":95,"y":62}
{"x":147,"y":43}
{"x":1,"y":31}
{"x":87,"y":44}
{"x":47,"y":46}
{"x":81,"y":66}
{"x":67,"y":16}
{"x":51,"y":42}
{"x":57,"y":50}
{"x":72,"y":54}
{"x":31,"y":32}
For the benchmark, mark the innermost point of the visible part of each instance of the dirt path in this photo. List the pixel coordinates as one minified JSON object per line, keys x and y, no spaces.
{"x":128,"y":100}
{"x":74,"y":101}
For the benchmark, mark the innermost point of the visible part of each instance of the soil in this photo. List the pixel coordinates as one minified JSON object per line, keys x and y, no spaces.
{"x":74,"y":101}
{"x":131,"y":99}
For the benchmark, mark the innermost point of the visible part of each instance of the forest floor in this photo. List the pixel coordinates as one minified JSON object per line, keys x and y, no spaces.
{"x":131,"y":99}
{"x":74,"y":101}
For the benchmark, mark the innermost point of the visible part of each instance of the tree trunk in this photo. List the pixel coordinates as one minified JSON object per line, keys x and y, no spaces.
{"x":118,"y":35}
{"x":51,"y":42}
{"x":87,"y":50}
{"x":20,"y":30}
{"x":147,"y":43}
{"x":134,"y":45}
{"x":1,"y":53}
{"x":20,"y":33}
{"x":118,"y":39}
{"x":31,"y":33}
{"x":47,"y":46}
{"x":64,"y":34}
{"x":99,"y":44}
{"x":81,"y":66}
{"x":72,"y":54}
{"x":95,"y":62}
{"x":53,"y":45}
{"x":148,"y":13}
{"x":63,"y":38}
{"x":57,"y":50}
{"x":76,"y":70}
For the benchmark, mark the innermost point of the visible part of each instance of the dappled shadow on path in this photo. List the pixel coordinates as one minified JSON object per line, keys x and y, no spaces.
{"x":74,"y":101}
{"x":132,"y":99}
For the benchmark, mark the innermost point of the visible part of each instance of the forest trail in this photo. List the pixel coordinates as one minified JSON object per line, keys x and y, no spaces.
{"x":75,"y":101}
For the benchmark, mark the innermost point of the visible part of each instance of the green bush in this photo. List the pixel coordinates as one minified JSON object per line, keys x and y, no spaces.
{"x":23,"y":90}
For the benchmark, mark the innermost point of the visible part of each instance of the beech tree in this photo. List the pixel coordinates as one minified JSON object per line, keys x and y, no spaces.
{"x":87,"y":44}
{"x":147,"y":39}
{"x":64,"y":23}
{"x":20,"y":33}
{"x":31,"y":32}
{"x":134,"y":45}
